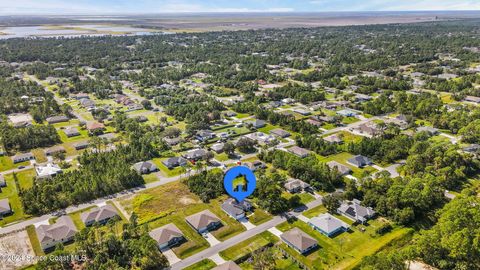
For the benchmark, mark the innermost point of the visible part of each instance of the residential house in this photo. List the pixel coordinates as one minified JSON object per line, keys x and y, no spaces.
{"x":196,"y":154}
{"x":99,"y":215}
{"x":47,"y":171}
{"x":299,"y":240}
{"x":302,"y":112}
{"x":236,"y":209}
{"x":328,"y":224}
{"x":314,"y":122}
{"x":62,"y":231}
{"x":57,"y":119}
{"x":108,"y":137}
{"x":3,"y":183}
{"x":280,"y":133}
{"x":362,"y":98}
{"x":255,"y":165}
{"x":342,"y":169}
{"x":288,"y":100}
{"x":167,"y":236}
{"x":20,"y":119}
{"x":174,"y":162}
{"x":94,"y":127}
{"x":368,"y":129}
{"x":22,"y":157}
{"x":230,"y":265}
{"x":430,"y":130}
{"x":260,"y":137}
{"x":355,"y":211}
{"x":80,"y":96}
{"x":347,"y":113}
{"x":204,"y":221}
{"x":334,"y":138}
{"x":473,"y":148}
{"x":217,"y":147}
{"x":298,"y":151}
{"x":134,"y":107}
{"x":172,"y":141}
{"x":145,"y":167}
{"x":359,"y":161}
{"x":81,"y":145}
{"x":296,"y":186}
{"x":472,"y":99}
{"x":71,"y":132}
{"x":5,"y":208}
{"x":87,"y":103}
{"x":54,"y":150}
{"x":205,"y":135}
{"x":257,"y":123}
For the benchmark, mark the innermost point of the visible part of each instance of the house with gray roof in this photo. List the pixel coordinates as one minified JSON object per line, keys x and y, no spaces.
{"x":334,"y":138}
{"x":22,"y":157}
{"x":71,"y":132}
{"x":236,"y":209}
{"x":299,"y":240}
{"x":62,"y":231}
{"x":3,"y":183}
{"x":205,"y":135}
{"x":299,"y":151}
{"x":430,"y":130}
{"x":56,"y":149}
{"x":99,"y":215}
{"x":204,"y":221}
{"x":280,"y":133}
{"x":167,"y":236}
{"x":81,"y":145}
{"x":196,"y":154}
{"x":296,"y":185}
{"x":355,"y":211}
{"x":57,"y":119}
{"x":174,"y":162}
{"x":217,"y":147}
{"x":328,"y":224}
{"x":257,"y":123}
{"x":359,"y":161}
{"x":342,"y":169}
{"x":5,"y":208}
{"x":230,"y":265}
{"x":145,"y":167}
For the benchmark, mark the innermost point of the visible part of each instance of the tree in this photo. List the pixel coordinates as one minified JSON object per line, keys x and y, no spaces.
{"x":264,"y":259}
{"x":471,"y":133}
{"x":332,"y":203}
{"x":229,"y":149}
{"x":246,"y":145}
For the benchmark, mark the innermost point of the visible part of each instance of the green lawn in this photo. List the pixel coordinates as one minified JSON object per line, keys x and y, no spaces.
{"x":259,"y":216}
{"x":173,"y":202}
{"x":266,"y":129}
{"x":26,"y":178}
{"x":32,"y":234}
{"x":304,"y":197}
{"x":248,"y":246}
{"x":342,"y":158}
{"x":167,"y":172}
{"x":349,"y":120}
{"x":39,"y":154}
{"x":221,"y":157}
{"x":10,"y":192}
{"x":204,"y":264}
{"x":150,"y":178}
{"x":346,"y":250}
{"x":76,"y":217}
{"x":6,"y":163}
{"x":64,"y":138}
{"x":242,"y":115}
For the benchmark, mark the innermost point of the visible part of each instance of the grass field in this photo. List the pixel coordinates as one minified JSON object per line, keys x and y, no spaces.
{"x":349,"y":120}
{"x":248,"y":246}
{"x":304,"y":197}
{"x":32,"y":234}
{"x":205,"y":264}
{"x":6,"y":164}
{"x":173,"y":202}
{"x":259,"y":216}
{"x":342,"y":158}
{"x":26,"y":178}
{"x":40,"y":156}
{"x":346,"y":250}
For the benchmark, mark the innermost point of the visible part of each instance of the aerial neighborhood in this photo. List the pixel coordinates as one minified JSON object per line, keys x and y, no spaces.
{"x":364,"y":141}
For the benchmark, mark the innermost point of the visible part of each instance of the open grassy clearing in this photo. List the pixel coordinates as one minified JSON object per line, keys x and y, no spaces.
{"x":10,"y":192}
{"x":248,"y":246}
{"x":7,"y":164}
{"x":204,"y":264}
{"x":173,"y":202}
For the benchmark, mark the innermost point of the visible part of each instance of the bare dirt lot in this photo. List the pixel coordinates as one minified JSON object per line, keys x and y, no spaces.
{"x":15,"y":249}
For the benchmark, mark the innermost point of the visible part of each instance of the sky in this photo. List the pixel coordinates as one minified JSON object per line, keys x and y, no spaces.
{"x":59,"y":7}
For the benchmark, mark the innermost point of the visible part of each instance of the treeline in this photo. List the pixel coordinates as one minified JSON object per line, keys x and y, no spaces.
{"x":317,"y":145}
{"x":207,"y":185}
{"x":303,"y":94}
{"x":27,"y":138}
{"x":308,"y":169}
{"x":100,"y":174}
{"x":111,"y":247}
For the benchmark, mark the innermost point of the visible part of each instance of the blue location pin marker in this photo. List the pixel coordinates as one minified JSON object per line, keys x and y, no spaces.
{"x":239,"y":189}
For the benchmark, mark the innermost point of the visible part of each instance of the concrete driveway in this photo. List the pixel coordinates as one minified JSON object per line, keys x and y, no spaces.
{"x":247,"y":224}
{"x":211,"y":239}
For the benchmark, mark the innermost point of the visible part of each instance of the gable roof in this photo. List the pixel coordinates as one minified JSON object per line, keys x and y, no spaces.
{"x":359,"y":160}
{"x":295,"y":183}
{"x":299,"y":239}
{"x":342,"y":169}
{"x":144,"y":165}
{"x":355,"y":210}
{"x":327,"y":223}
{"x":234,"y":208}
{"x":299,"y":151}
{"x":5,"y":206}
{"x":202,"y":219}
{"x":99,"y":214}
{"x":62,"y":229}
{"x":166,"y":233}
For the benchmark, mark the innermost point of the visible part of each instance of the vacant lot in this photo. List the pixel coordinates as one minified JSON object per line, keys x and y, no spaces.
{"x":173,"y":202}
{"x":16,"y":244}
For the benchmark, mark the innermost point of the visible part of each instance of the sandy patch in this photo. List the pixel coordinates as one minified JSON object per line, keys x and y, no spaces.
{"x":18,"y":245}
